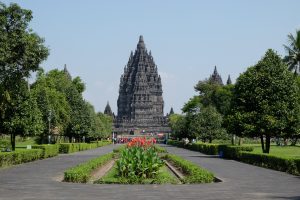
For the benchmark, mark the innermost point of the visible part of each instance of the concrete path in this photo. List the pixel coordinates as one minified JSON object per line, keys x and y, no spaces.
{"x":38,"y":181}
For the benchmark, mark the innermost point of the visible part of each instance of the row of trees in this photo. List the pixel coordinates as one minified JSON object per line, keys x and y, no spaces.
{"x":53,"y":104}
{"x":264,"y":102}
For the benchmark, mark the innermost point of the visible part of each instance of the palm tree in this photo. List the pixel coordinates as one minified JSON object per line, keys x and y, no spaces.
{"x":293,"y":49}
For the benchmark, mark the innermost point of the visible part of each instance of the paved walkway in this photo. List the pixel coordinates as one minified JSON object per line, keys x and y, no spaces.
{"x":37,"y":181}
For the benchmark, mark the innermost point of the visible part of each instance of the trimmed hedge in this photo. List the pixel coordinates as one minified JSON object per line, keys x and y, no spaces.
{"x":193,"y":173}
{"x":20,"y":156}
{"x":74,"y":147}
{"x":244,"y":154}
{"x":225,"y":151}
{"x":48,"y":150}
{"x":82,"y":172}
{"x":288,"y":165}
{"x":211,"y":149}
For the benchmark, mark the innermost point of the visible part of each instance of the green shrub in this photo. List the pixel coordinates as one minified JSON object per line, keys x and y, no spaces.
{"x":48,"y":150}
{"x":289,"y":165}
{"x":227,"y":151}
{"x":159,"y":149}
{"x":175,"y":143}
{"x":193,"y":173}
{"x":82,"y":172}
{"x":21,"y":156}
{"x":232,"y":152}
{"x":74,"y":147}
{"x":210,"y":149}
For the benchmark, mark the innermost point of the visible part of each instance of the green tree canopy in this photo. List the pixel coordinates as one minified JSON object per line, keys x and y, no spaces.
{"x":21,"y":52}
{"x":265,"y":101}
{"x":207,"y":124}
{"x":178,"y":125}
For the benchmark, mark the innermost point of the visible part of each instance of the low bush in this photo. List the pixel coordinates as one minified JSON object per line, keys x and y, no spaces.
{"x":289,"y":165}
{"x":245,"y":154}
{"x":82,"y":172}
{"x":159,"y":149}
{"x":232,"y":152}
{"x":74,"y":147}
{"x":211,"y":149}
{"x":225,"y":151}
{"x":48,"y":150}
{"x":20,"y":156}
{"x":193,"y":173}
{"x":175,"y":143}
{"x":101,"y":143}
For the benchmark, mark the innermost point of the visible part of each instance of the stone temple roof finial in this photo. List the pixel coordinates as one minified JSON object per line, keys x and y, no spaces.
{"x":141,"y":43}
{"x":141,"y":39}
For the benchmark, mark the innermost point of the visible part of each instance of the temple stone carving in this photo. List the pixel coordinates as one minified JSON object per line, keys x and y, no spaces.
{"x":140,"y":102}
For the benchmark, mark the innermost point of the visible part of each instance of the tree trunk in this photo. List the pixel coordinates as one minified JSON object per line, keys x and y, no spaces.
{"x":268,"y":141}
{"x":210,"y":140}
{"x":294,"y":142}
{"x":13,"y":141}
{"x":233,"y":139}
{"x":240,"y":141}
{"x":262,"y":143}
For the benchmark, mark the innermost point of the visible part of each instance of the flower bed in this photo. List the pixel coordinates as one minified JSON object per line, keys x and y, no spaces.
{"x":139,"y":163}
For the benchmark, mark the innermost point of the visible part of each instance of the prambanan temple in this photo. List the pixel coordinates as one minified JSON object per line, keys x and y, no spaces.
{"x":140,"y":102}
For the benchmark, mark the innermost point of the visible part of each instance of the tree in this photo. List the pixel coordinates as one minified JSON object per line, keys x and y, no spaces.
{"x":293,"y":50}
{"x":265,"y":101}
{"x":207,"y":124}
{"x":23,"y":117}
{"x":53,"y":105}
{"x":21,"y":52}
{"x":178,"y":125}
{"x":105,"y":125}
{"x":215,"y":95}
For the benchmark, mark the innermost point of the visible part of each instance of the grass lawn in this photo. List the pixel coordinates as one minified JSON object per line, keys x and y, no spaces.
{"x":281,"y":151}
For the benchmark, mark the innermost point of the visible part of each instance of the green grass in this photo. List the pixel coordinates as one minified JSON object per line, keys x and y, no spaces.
{"x":280,"y":151}
{"x":164,"y":176}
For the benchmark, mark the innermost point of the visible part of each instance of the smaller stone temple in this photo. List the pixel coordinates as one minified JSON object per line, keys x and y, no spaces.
{"x":140,"y":102}
{"x":217,"y":79}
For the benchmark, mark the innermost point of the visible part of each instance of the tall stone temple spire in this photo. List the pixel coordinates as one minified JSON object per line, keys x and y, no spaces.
{"x":67,"y":72}
{"x":228,"y":82}
{"x":107,"y":110}
{"x":140,"y":102}
{"x":215,"y":77}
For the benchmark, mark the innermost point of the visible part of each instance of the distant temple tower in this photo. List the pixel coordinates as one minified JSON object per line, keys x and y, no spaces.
{"x":107,"y":110}
{"x":140,"y":102}
{"x":215,"y":77}
{"x":228,"y":80}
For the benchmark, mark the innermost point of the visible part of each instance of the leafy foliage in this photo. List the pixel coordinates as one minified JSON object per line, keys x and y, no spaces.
{"x":21,"y":52}
{"x":82,"y":172}
{"x":178,"y":124}
{"x":265,"y":101}
{"x":193,"y":173}
{"x":207,"y":124}
{"x":18,"y":157}
{"x":139,"y":160}
{"x":48,"y":150}
{"x":293,"y":50}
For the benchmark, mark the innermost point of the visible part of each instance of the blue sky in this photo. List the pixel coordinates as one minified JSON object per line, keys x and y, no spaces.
{"x":187,"y":39}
